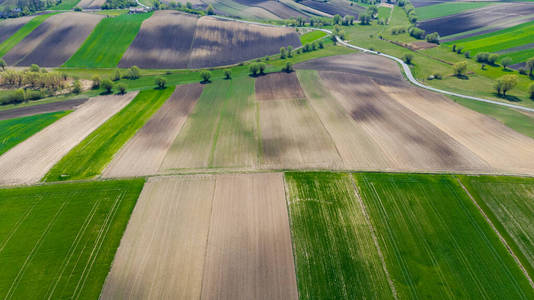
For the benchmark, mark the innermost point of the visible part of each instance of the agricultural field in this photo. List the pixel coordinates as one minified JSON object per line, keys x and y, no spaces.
{"x":15,"y":30}
{"x":14,"y":131}
{"x":37,"y":109}
{"x":335,"y":252}
{"x":447,"y":8}
{"x":58,"y":241}
{"x":108,"y":42}
{"x":91,"y":155}
{"x":29,"y":161}
{"x":341,"y":8}
{"x":426,"y":227}
{"x":54,"y":40}
{"x":10,"y":26}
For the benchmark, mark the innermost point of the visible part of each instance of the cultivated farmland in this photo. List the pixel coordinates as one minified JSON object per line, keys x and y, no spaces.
{"x":447,"y":8}
{"x":278,"y":86}
{"x":94,"y":4}
{"x":20,"y":33}
{"x":91,"y":155}
{"x":58,"y":241}
{"x":41,"y":108}
{"x":10,"y":26}
{"x":336,"y":255}
{"x":333,"y":7}
{"x":436,"y":242}
{"x":30,"y":160}
{"x":155,"y":138}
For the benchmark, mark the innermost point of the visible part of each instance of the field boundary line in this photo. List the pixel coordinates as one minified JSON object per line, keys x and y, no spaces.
{"x":293,"y":250}
{"x":514,"y":256}
{"x":17,"y":225}
{"x":208,"y":237}
{"x":373,"y":234}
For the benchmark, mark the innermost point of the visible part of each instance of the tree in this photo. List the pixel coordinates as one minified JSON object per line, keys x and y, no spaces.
{"x":459,"y":69}
{"x":530,"y":66}
{"x":205,"y":76}
{"x":107,"y":85}
{"x":531,"y":91}
{"x":505,"y":84}
{"x":134,"y":72}
{"x":76,"y":87}
{"x":467,"y":54}
{"x":482,"y":57}
{"x":189,"y":5}
{"x":365,"y":19}
{"x":337,"y":19}
{"x":408,"y":58}
{"x":161,"y":82}
{"x":433,"y":38}
{"x":210,"y":10}
{"x":77,"y":8}
{"x":96,"y":82}
{"x":261,"y":68}
{"x":492,"y":59}
{"x":3,"y":64}
{"x":227,"y":74}
{"x":417,"y":33}
{"x":289,"y":51}
{"x":121,"y":88}
{"x":34,"y":68}
{"x":283,"y":53}
{"x":254,"y":69}
{"x":288,"y":67}
{"x":116,"y":75}
{"x":505,"y":62}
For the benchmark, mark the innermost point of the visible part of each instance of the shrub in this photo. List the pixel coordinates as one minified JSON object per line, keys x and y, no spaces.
{"x":77,"y":8}
{"x":482,"y":57}
{"x":433,"y":38}
{"x":254,"y":69}
{"x":3,"y":64}
{"x":505,"y":83}
{"x":96,"y":82}
{"x":397,"y":30}
{"x":76,"y":87}
{"x":121,"y":88}
{"x":288,"y":67}
{"x":505,"y":62}
{"x":289,"y":51}
{"x":531,"y":91}
{"x":437,"y":75}
{"x":459,"y":69}
{"x":408,"y":58}
{"x":365,"y":19}
{"x":459,"y":50}
{"x":454,"y":48}
{"x":34,"y":68}
{"x":283,"y":53}
{"x":107,"y":85}
{"x":467,"y":54}
{"x":321,"y":44}
{"x":522,"y":71}
{"x":134,"y":73}
{"x":492,"y":59}
{"x":228,"y":74}
{"x":261,"y":67}
{"x":116,"y":75}
{"x":417,"y":33}
{"x":161,"y":82}
{"x":205,"y":76}
{"x":210,"y":10}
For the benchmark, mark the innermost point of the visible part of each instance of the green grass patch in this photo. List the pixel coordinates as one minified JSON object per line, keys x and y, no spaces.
{"x":446,"y":9}
{"x":14,"y":131}
{"x":22,"y":33}
{"x":108,"y":42}
{"x":436,"y":242}
{"x":311,"y":36}
{"x":89,"y":158}
{"x":335,"y":255}
{"x":512,"y":118}
{"x":509,"y":203}
{"x":384,"y":13}
{"x":58,"y":241}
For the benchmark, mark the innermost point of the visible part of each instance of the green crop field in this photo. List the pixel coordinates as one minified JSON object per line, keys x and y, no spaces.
{"x":335,"y":255}
{"x":58,"y":241}
{"x":90,"y":157}
{"x":311,"y":36}
{"x":446,"y":9}
{"x":519,"y":56}
{"x":509,"y":203}
{"x":108,"y":42}
{"x":65,"y":5}
{"x":22,"y":33}
{"x":14,"y":131}
{"x":435,"y":241}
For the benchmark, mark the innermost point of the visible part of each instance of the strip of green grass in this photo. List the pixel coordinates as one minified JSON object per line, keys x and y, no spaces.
{"x":335,"y":255}
{"x":311,"y":36}
{"x":58,"y":241}
{"x":108,"y":42}
{"x":435,"y":241}
{"x":89,"y":158}
{"x":509,"y":203}
{"x":65,"y":5}
{"x":22,"y":33}
{"x":14,"y":131}
{"x":446,"y":9}
{"x":519,"y":56}
{"x":519,"y":122}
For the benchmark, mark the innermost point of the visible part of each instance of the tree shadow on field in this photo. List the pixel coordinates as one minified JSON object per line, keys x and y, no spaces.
{"x":508,"y":97}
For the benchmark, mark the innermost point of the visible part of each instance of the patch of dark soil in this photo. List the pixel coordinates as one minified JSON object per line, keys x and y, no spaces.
{"x":278,"y":86}
{"x":41,"y":109}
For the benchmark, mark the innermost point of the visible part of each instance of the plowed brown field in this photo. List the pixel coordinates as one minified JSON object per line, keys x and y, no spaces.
{"x":206,"y":237}
{"x":278,"y":86}
{"x":10,"y":26}
{"x":30,"y":160}
{"x":93,"y":4}
{"x":54,"y":41}
{"x":155,"y":138}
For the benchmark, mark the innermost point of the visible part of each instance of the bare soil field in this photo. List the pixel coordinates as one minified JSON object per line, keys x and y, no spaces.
{"x":30,"y":160}
{"x":41,"y":108}
{"x":54,"y":41}
{"x":91,"y":4}
{"x":499,"y":25}
{"x":421,"y":45}
{"x":220,"y":42}
{"x":9,"y":26}
{"x":331,"y":7}
{"x":249,"y":253}
{"x":280,"y":9}
{"x":161,"y":255}
{"x":278,"y":86}
{"x":152,"y":142}
{"x":163,"y":41}
{"x":477,"y":18}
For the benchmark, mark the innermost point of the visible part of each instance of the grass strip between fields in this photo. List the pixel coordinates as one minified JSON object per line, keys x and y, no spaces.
{"x":108,"y":42}
{"x":58,"y":241}
{"x":90,"y":157}
{"x":311,"y":36}
{"x":14,"y":131}
{"x":22,"y":33}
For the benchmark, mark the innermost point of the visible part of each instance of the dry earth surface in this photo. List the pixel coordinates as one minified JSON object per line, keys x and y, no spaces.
{"x":91,"y":4}
{"x":10,"y":26}
{"x":54,"y":41}
{"x":30,"y":160}
{"x":144,"y":153}
{"x":278,"y":86}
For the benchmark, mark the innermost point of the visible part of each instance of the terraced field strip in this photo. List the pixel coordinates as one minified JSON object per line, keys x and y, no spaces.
{"x":446,"y":9}
{"x":108,"y":42}
{"x":58,"y":241}
{"x":155,"y":138}
{"x":30,"y":160}
{"x":14,"y":131}
{"x":335,"y":254}
{"x":509,"y":204}
{"x":91,"y":156}
{"x":9,"y":26}
{"x":249,"y":253}
{"x":161,"y":255}
{"x":221,"y":131}
{"x":13,"y":38}
{"x":426,"y":227}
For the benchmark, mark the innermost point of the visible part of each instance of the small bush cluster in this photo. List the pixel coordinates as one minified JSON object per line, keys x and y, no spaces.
{"x":256,"y":69}
{"x":485,"y":57}
{"x":433,"y":38}
{"x":417,"y":33}
{"x":398,"y":30}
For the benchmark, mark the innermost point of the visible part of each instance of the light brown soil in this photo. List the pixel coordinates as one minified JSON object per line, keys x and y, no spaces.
{"x":93,"y":4}
{"x":161,"y":255}
{"x":249,"y":253}
{"x":293,"y":136}
{"x":278,"y":86}
{"x":54,"y":41}
{"x":152,"y":142}
{"x":421,"y":45}
{"x":30,"y":160}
